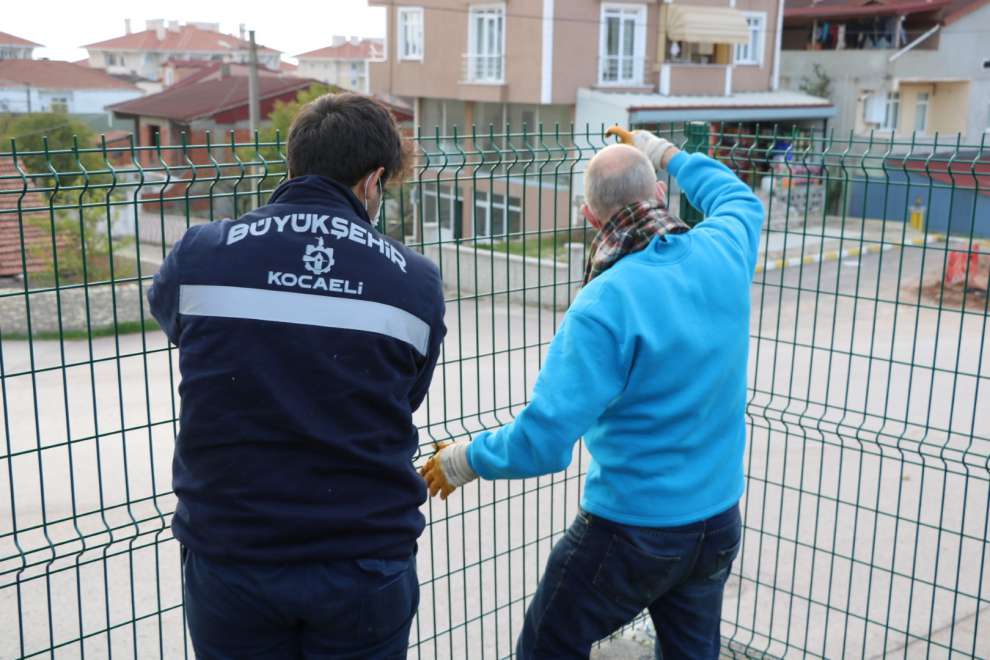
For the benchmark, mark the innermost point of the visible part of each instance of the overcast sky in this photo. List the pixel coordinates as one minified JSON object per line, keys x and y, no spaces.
{"x":292,"y":27}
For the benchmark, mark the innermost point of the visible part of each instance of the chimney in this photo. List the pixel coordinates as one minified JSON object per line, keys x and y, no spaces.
{"x":127,"y":26}
{"x":338,"y":40}
{"x":173,"y":26}
{"x":158,"y":25}
{"x":243,"y":34}
{"x":355,"y":40}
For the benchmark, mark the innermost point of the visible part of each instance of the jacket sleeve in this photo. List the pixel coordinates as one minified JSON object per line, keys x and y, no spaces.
{"x":585,"y":370}
{"x":730,"y":207}
{"x":163,"y":295}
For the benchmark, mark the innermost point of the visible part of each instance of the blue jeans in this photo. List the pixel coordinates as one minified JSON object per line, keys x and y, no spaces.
{"x":602,"y":574}
{"x":341,"y":609}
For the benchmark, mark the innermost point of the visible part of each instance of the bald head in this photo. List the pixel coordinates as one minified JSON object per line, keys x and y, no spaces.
{"x":617,"y":176}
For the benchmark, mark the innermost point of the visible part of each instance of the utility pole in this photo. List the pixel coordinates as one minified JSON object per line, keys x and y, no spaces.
{"x":27,"y":90}
{"x":253,"y":86}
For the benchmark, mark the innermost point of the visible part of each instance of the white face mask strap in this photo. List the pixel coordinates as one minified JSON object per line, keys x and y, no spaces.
{"x":381,"y":198}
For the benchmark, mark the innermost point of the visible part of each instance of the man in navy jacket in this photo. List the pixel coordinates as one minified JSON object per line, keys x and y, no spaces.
{"x":306,"y":340}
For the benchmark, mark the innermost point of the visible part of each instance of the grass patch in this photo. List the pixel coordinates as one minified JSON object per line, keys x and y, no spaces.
{"x":547,"y":245}
{"x":122,"y":328}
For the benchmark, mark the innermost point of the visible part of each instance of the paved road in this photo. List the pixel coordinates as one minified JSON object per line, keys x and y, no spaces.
{"x":866,"y":508}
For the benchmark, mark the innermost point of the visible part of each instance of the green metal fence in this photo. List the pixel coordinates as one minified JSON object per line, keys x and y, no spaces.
{"x":868,"y":463}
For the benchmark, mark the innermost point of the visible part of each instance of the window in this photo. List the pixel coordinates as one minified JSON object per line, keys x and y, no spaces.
{"x":58,"y":104}
{"x":891,"y":111}
{"x":486,"y":44}
{"x":622,"y":44}
{"x":490,"y":215}
{"x":410,"y":33}
{"x":114,"y":59}
{"x":921,"y":112}
{"x":441,"y":205}
{"x":752,"y":52}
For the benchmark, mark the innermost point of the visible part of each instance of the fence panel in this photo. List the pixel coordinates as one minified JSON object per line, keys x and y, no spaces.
{"x":868,"y":459}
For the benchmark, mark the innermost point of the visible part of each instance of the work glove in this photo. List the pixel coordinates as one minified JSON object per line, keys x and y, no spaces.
{"x":448,"y":469}
{"x":657,"y":150}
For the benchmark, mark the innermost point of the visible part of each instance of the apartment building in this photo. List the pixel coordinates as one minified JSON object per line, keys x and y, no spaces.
{"x":903,"y":66}
{"x":144,"y":53}
{"x":343,"y":63}
{"x":554,"y":62}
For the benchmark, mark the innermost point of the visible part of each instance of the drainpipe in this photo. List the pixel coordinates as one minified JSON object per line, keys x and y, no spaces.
{"x":775,"y":78}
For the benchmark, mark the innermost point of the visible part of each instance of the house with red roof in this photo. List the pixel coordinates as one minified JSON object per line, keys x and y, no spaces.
{"x":16,"y":48}
{"x":908,"y":67}
{"x":214,"y":98}
{"x":144,"y":53}
{"x":345,"y":62}
{"x":50,"y":85}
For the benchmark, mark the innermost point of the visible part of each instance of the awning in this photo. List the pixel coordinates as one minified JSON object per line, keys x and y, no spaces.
{"x":715,"y":25}
{"x":595,"y":107}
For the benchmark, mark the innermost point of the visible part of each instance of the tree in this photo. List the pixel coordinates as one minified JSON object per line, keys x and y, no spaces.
{"x":28,"y":132}
{"x":819,"y":84}
{"x":55,"y":152}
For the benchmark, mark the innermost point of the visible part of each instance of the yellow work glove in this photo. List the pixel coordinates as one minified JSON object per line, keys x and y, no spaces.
{"x":658,"y":150}
{"x":448,"y":469}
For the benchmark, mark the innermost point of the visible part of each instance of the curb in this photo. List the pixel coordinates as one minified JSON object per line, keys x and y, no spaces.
{"x":835,"y":255}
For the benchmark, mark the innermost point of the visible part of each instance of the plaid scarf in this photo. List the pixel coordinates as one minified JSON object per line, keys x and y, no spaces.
{"x":629,"y":230}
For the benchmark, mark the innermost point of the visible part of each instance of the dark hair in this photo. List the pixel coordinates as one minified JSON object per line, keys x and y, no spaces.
{"x":345,"y":136}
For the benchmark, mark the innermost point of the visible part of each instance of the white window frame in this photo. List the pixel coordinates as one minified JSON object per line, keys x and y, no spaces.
{"x":922,"y":100}
{"x":751,"y":54}
{"x":485,"y":204}
{"x":493,"y":71}
{"x":893,"y":99}
{"x":410,"y":48}
{"x":639,"y":46}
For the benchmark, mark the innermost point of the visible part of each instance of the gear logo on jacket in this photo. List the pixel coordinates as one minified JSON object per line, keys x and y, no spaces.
{"x":318,"y":259}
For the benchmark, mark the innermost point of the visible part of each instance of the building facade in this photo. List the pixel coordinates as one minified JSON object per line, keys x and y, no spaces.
{"x":54,"y":86}
{"x":144,"y":53}
{"x":530,"y":63}
{"x":907,"y":68}
{"x":15,"y":48}
{"x":344,"y":63}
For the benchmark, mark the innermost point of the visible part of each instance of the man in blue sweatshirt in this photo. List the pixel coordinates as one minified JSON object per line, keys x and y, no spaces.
{"x":649,"y":366}
{"x":306,"y":341}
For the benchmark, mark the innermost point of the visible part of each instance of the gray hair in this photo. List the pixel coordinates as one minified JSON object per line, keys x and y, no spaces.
{"x":616,"y":177}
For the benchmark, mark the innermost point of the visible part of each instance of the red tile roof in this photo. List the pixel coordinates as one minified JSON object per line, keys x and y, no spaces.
{"x":7,"y":39}
{"x":203,"y":98}
{"x":54,"y":74}
{"x":183,"y":39}
{"x":35,"y":239}
{"x":365,"y":49}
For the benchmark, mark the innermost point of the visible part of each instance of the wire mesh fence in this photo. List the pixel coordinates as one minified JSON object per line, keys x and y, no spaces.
{"x":868,"y":459}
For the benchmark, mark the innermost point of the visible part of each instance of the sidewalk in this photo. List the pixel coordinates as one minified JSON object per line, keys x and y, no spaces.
{"x":839,"y":238}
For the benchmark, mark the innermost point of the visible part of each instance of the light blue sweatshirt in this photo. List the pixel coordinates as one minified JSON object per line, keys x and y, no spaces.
{"x":649,"y":365}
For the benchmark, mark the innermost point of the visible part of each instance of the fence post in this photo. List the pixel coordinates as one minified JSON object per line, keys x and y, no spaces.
{"x":697,"y":141}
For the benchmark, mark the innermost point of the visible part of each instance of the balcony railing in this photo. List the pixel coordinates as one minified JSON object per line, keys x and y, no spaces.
{"x":622,"y":71}
{"x":484,"y":69}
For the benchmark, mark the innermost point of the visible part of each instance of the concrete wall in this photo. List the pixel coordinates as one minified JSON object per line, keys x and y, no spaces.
{"x":962,"y":212}
{"x":103,"y":300}
{"x":548,"y":283}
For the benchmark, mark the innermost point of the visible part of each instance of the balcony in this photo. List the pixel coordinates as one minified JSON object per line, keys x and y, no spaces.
{"x":623,"y":71}
{"x":483,"y":69}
